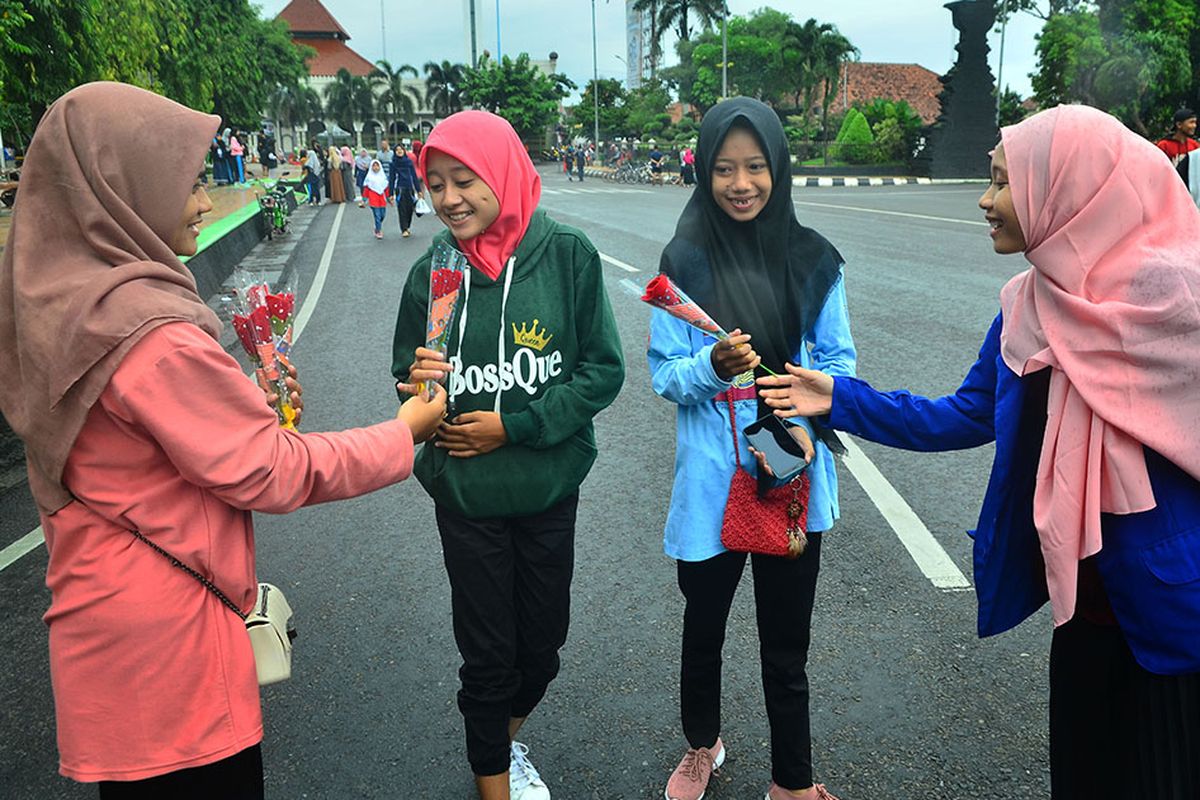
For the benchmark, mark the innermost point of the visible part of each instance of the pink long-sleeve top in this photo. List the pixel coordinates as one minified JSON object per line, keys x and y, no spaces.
{"x":151,"y":673}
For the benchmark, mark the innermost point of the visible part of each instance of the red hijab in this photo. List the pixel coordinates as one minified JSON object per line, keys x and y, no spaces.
{"x":490,"y":148}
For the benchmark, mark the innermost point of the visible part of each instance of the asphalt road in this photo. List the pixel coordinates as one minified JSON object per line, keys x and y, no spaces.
{"x":907,"y":701}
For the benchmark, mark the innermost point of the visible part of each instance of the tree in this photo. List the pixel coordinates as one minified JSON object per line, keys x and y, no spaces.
{"x":349,"y":99}
{"x":647,"y":105}
{"x":398,"y":99}
{"x":1133,"y":58}
{"x":677,"y":12}
{"x":613,"y":113}
{"x":855,"y":140}
{"x":518,"y":91}
{"x":1012,"y":109}
{"x":443,"y":86}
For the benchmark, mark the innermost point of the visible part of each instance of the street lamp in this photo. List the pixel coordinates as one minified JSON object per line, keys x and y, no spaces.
{"x":498,"y":51}
{"x":382,"y":30}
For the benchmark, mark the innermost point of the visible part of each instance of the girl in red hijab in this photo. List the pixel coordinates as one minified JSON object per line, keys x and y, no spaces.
{"x":1087,"y":383}
{"x":533,"y":357}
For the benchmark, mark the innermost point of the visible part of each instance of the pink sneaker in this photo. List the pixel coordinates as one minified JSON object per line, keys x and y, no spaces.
{"x":775,"y":792}
{"x":690,"y":778}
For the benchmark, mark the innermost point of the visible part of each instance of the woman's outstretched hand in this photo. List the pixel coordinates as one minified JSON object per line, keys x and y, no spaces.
{"x":424,"y":416}
{"x":800,"y":393}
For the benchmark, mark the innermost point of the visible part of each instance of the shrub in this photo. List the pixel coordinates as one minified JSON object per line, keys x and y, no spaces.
{"x":855,"y":140}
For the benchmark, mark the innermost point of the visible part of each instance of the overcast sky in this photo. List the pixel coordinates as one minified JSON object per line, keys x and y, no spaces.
{"x":902,"y":31}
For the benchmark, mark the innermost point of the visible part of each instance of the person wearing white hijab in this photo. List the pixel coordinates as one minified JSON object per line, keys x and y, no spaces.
{"x":376,"y":193}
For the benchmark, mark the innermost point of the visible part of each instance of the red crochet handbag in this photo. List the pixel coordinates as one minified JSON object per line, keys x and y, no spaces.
{"x":773,"y":525}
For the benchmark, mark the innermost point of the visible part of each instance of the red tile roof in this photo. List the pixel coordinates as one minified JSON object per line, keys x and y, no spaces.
{"x":333,"y":55}
{"x":309,"y":16}
{"x":915,"y":84}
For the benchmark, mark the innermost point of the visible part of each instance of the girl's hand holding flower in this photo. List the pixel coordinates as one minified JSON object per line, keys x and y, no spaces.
{"x":733,"y":356}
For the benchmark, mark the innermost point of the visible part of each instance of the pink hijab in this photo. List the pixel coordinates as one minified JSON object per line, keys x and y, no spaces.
{"x":346,"y":155}
{"x":87,"y":271}
{"x":490,"y":148}
{"x":1110,"y":305}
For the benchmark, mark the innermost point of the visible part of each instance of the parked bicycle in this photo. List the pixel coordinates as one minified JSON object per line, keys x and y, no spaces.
{"x":9,"y":181}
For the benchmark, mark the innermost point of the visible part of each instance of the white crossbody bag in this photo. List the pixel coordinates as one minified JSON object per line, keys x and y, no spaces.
{"x":269,"y":623}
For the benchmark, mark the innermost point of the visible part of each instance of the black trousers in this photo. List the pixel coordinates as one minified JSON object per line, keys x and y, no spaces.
{"x":1117,"y":730}
{"x":239,"y":777}
{"x":510,"y":590}
{"x":404,"y":208}
{"x":783,"y":597}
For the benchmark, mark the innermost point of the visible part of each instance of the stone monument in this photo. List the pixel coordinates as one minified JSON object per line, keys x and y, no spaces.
{"x":966,"y":130}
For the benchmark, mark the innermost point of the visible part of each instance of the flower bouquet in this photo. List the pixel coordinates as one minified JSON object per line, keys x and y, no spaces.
{"x":447,"y":271}
{"x":662,"y":293}
{"x":263,"y":321}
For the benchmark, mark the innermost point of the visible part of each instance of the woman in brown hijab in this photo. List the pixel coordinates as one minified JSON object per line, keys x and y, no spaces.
{"x":135,"y":419}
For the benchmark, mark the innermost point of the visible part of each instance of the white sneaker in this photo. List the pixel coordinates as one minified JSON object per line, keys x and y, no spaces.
{"x":524,"y":783}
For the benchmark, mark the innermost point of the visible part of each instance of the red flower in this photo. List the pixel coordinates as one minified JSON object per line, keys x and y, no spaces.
{"x":445,"y":281}
{"x":241,"y":324}
{"x":661,"y":292}
{"x":281,"y":305}
{"x":260,"y":324}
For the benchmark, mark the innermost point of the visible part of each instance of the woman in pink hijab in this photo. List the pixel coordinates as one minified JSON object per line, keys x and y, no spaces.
{"x":134,"y":419}
{"x":1089,"y":384}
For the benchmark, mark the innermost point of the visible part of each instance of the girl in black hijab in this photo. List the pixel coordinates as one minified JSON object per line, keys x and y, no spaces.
{"x":740,"y":253}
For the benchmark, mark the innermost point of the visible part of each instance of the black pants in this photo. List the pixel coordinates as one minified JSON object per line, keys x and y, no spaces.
{"x":1117,"y":730}
{"x":783,"y":597}
{"x":404,"y":208}
{"x":239,"y":777}
{"x":510,"y":590}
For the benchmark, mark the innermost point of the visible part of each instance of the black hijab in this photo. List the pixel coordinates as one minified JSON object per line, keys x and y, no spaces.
{"x":769,"y":276}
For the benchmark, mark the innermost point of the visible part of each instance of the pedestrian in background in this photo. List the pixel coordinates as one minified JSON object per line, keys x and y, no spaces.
{"x":313,"y":163}
{"x":506,"y":470}
{"x":266,"y":152}
{"x":362,"y":163}
{"x":384,"y":156}
{"x":377,"y":193}
{"x":337,"y":188}
{"x":220,"y":164}
{"x":568,"y":161}
{"x":347,"y":168}
{"x":580,"y":162}
{"x":1086,"y":382}
{"x":403,"y":182}
{"x":687,"y":168}
{"x":237,"y":152}
{"x":145,"y":425}
{"x":1180,"y":142}
{"x":740,"y":253}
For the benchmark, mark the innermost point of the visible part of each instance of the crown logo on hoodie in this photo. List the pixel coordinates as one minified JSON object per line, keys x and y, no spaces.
{"x":531,"y":337}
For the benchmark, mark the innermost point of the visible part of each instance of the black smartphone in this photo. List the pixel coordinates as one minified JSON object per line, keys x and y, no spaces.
{"x":769,"y":436}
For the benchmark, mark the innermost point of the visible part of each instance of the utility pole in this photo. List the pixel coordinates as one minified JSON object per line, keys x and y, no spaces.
{"x":595,"y":84}
{"x":474,"y":47}
{"x":382,"y":30}
{"x":724,"y":51}
{"x":1000,"y":68}
{"x":499,"y":52}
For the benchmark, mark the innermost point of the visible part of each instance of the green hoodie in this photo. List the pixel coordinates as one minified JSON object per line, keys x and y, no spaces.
{"x":561,"y":364}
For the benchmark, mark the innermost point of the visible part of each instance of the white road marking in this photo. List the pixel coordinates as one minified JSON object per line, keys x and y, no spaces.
{"x":309,"y":303}
{"x":31,"y":540}
{"x":931,"y":559}
{"x":892,"y":213}
{"x":631,"y":287}
{"x":20,"y":547}
{"x":616,"y":262}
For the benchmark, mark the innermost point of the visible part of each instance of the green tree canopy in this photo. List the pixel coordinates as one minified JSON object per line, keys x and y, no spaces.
{"x":516,"y":90}
{"x":614,"y":115}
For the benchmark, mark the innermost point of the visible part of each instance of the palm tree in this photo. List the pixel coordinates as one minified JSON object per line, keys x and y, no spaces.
{"x":400,"y":100}
{"x":292,"y":105}
{"x":349,"y":99}
{"x":806,"y":39}
{"x":677,"y":12}
{"x":650,"y":8}
{"x":833,"y":50}
{"x":443,"y":87}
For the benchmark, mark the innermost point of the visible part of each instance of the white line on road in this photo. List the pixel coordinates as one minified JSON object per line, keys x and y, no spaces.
{"x":891,"y":213}
{"x":31,"y":540}
{"x":616,"y":262}
{"x":930,"y":557}
{"x":20,"y":547}
{"x":631,"y":287}
{"x":314,"y":292}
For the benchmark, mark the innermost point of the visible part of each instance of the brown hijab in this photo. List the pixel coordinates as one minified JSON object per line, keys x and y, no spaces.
{"x":88,"y":270}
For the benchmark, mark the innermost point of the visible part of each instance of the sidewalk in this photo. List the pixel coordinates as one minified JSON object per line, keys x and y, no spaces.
{"x":826,"y":180}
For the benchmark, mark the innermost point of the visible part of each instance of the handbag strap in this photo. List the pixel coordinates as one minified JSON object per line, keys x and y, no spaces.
{"x":737,"y":452}
{"x":205,"y":582}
